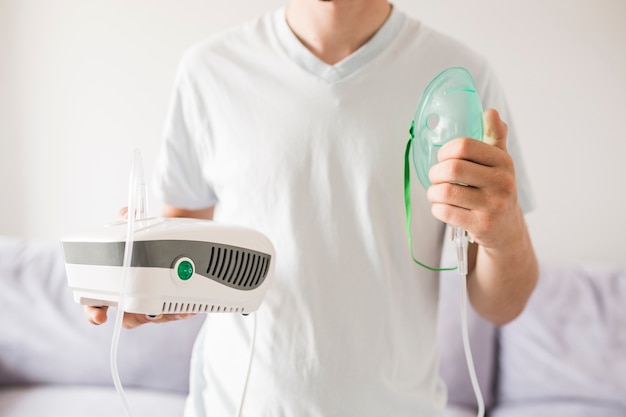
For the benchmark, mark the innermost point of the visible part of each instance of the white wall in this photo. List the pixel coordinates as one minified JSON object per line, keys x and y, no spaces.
{"x":83,"y":82}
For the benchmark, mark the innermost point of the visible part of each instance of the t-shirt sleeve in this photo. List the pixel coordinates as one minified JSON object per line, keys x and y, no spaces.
{"x":179,"y":180}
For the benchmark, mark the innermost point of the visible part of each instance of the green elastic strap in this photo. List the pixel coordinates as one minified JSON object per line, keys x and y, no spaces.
{"x":407,"y":202}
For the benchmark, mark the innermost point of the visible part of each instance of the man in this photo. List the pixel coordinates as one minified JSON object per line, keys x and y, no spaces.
{"x":295,"y":124}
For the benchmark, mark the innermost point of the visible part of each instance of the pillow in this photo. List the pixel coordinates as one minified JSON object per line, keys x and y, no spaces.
{"x":45,"y":338}
{"x":570,"y":342}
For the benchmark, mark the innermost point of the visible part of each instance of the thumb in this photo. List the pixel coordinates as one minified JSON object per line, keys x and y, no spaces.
{"x":96,"y":315}
{"x":495,"y":129}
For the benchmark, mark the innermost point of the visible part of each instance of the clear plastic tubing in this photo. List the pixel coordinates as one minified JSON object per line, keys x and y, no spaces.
{"x":461,"y":243}
{"x":136,"y":208}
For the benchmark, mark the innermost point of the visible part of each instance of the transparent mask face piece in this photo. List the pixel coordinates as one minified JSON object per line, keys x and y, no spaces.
{"x":449,"y":108}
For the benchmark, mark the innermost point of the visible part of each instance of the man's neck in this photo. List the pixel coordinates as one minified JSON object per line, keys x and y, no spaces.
{"x":334,"y":29}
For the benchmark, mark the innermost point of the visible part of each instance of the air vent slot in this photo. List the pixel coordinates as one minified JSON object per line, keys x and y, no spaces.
{"x":237,"y":268}
{"x":188,"y":308}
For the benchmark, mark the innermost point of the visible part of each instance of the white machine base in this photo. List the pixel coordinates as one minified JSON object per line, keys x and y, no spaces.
{"x":178,"y":266}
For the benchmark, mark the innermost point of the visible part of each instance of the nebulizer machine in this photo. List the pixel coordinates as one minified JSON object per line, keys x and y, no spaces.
{"x":449,"y":108}
{"x":154,"y":265}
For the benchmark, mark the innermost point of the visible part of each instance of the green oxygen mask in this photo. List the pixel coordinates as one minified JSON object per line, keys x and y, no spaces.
{"x":449,"y":108}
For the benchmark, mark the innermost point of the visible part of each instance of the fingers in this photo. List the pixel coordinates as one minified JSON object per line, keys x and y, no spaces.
{"x":472,"y":196}
{"x":473,"y":151}
{"x":474,"y":163}
{"x":460,"y":171}
{"x":132,"y":320}
{"x":495,"y":134}
{"x":96,"y":315}
{"x":474,"y":184}
{"x":122,"y":214}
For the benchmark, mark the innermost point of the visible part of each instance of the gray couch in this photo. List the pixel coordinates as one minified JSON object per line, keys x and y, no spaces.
{"x":54,"y":363}
{"x":565,"y":356}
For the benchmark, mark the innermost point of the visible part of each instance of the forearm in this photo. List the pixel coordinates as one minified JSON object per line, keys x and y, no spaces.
{"x":503,"y":278}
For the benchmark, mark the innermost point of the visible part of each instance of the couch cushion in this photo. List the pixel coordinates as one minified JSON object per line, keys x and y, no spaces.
{"x":569,"y":344}
{"x":458,"y":411}
{"x":74,"y":401}
{"x":563,"y":408}
{"x":45,"y":338}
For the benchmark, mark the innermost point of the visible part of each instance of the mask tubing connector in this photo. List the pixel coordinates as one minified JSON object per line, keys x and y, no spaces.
{"x":461,"y":243}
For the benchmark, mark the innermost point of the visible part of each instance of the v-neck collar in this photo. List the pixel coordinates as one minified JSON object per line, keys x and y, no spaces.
{"x":347,"y":66}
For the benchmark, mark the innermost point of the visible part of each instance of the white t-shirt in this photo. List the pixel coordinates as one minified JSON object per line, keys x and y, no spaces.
{"x":312,"y":155}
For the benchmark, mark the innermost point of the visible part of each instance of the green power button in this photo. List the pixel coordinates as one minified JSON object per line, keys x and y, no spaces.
{"x":184,"y":269}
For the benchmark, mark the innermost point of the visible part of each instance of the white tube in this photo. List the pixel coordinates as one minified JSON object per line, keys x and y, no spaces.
{"x":245,"y":385}
{"x":460,"y":239}
{"x":136,"y":207}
